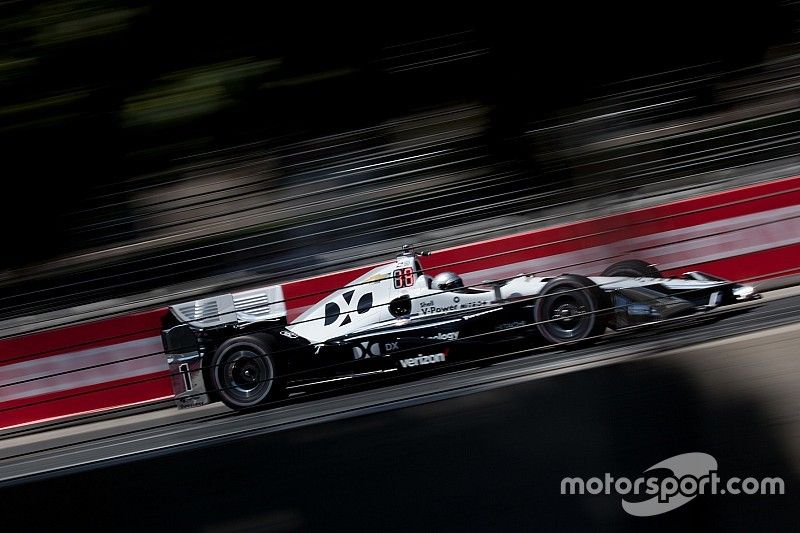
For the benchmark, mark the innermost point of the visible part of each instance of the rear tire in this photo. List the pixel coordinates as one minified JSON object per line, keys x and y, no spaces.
{"x":632,"y":268}
{"x":243,"y":372}
{"x":571,"y":309}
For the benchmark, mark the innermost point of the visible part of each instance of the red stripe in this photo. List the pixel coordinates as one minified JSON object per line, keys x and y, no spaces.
{"x":568,"y":237}
{"x":82,"y":336}
{"x":776,"y":262}
{"x":700,"y":202}
{"x":611,"y":229}
{"x":101,"y":396}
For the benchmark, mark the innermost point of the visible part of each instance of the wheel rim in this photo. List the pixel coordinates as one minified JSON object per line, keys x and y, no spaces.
{"x":245,"y":376}
{"x":566,"y":316}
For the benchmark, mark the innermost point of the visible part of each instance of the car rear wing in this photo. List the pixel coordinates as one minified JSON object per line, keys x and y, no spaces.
{"x":184,"y":357}
{"x":244,"y":307}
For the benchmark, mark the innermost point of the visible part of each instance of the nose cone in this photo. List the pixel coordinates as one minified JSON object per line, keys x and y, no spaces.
{"x":745,"y":292}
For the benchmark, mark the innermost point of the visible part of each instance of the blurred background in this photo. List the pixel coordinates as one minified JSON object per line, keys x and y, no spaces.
{"x":158,"y":146}
{"x":152,"y":151}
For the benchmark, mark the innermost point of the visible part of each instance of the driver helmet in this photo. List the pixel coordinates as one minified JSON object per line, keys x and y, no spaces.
{"x":447,"y":281}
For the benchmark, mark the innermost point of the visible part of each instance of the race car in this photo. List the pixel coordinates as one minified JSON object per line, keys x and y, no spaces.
{"x":240,"y":349}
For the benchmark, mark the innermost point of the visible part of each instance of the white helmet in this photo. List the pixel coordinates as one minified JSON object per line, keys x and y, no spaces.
{"x":447,"y":281}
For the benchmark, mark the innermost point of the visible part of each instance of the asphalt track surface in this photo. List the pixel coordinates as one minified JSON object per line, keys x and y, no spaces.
{"x":471,"y":449}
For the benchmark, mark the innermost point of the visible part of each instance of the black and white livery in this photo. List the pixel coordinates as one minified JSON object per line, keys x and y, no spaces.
{"x":239,"y":347}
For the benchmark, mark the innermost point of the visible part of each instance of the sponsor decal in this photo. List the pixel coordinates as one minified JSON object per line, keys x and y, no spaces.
{"x":288,"y":334}
{"x":509,"y":325}
{"x":473,"y":304}
{"x":391,"y":346}
{"x":366,"y":349}
{"x":423,"y":360}
{"x":430,"y":307}
{"x":453,"y":335}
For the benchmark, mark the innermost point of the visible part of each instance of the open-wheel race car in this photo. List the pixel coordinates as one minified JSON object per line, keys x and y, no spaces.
{"x":240,"y":349}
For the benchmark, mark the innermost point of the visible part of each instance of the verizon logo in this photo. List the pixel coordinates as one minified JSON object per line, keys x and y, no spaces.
{"x":422,"y":360}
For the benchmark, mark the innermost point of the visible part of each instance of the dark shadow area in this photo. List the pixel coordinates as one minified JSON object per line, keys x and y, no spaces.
{"x":492,"y":460}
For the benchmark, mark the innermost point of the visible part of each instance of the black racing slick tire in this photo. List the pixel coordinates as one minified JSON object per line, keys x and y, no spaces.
{"x":244,"y":373}
{"x":571,"y":309}
{"x":632,"y":268}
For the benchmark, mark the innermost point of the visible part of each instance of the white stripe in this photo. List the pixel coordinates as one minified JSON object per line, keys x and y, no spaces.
{"x":775,"y":234}
{"x":717,"y":226}
{"x":668,"y":255}
{"x":147,"y":354}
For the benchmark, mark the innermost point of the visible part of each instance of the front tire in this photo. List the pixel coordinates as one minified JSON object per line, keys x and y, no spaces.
{"x":571,"y":309}
{"x":243,"y":372}
{"x":632,"y":268}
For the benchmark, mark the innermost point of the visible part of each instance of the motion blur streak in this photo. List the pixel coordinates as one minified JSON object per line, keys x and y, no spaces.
{"x":251,"y":163}
{"x":86,"y":367}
